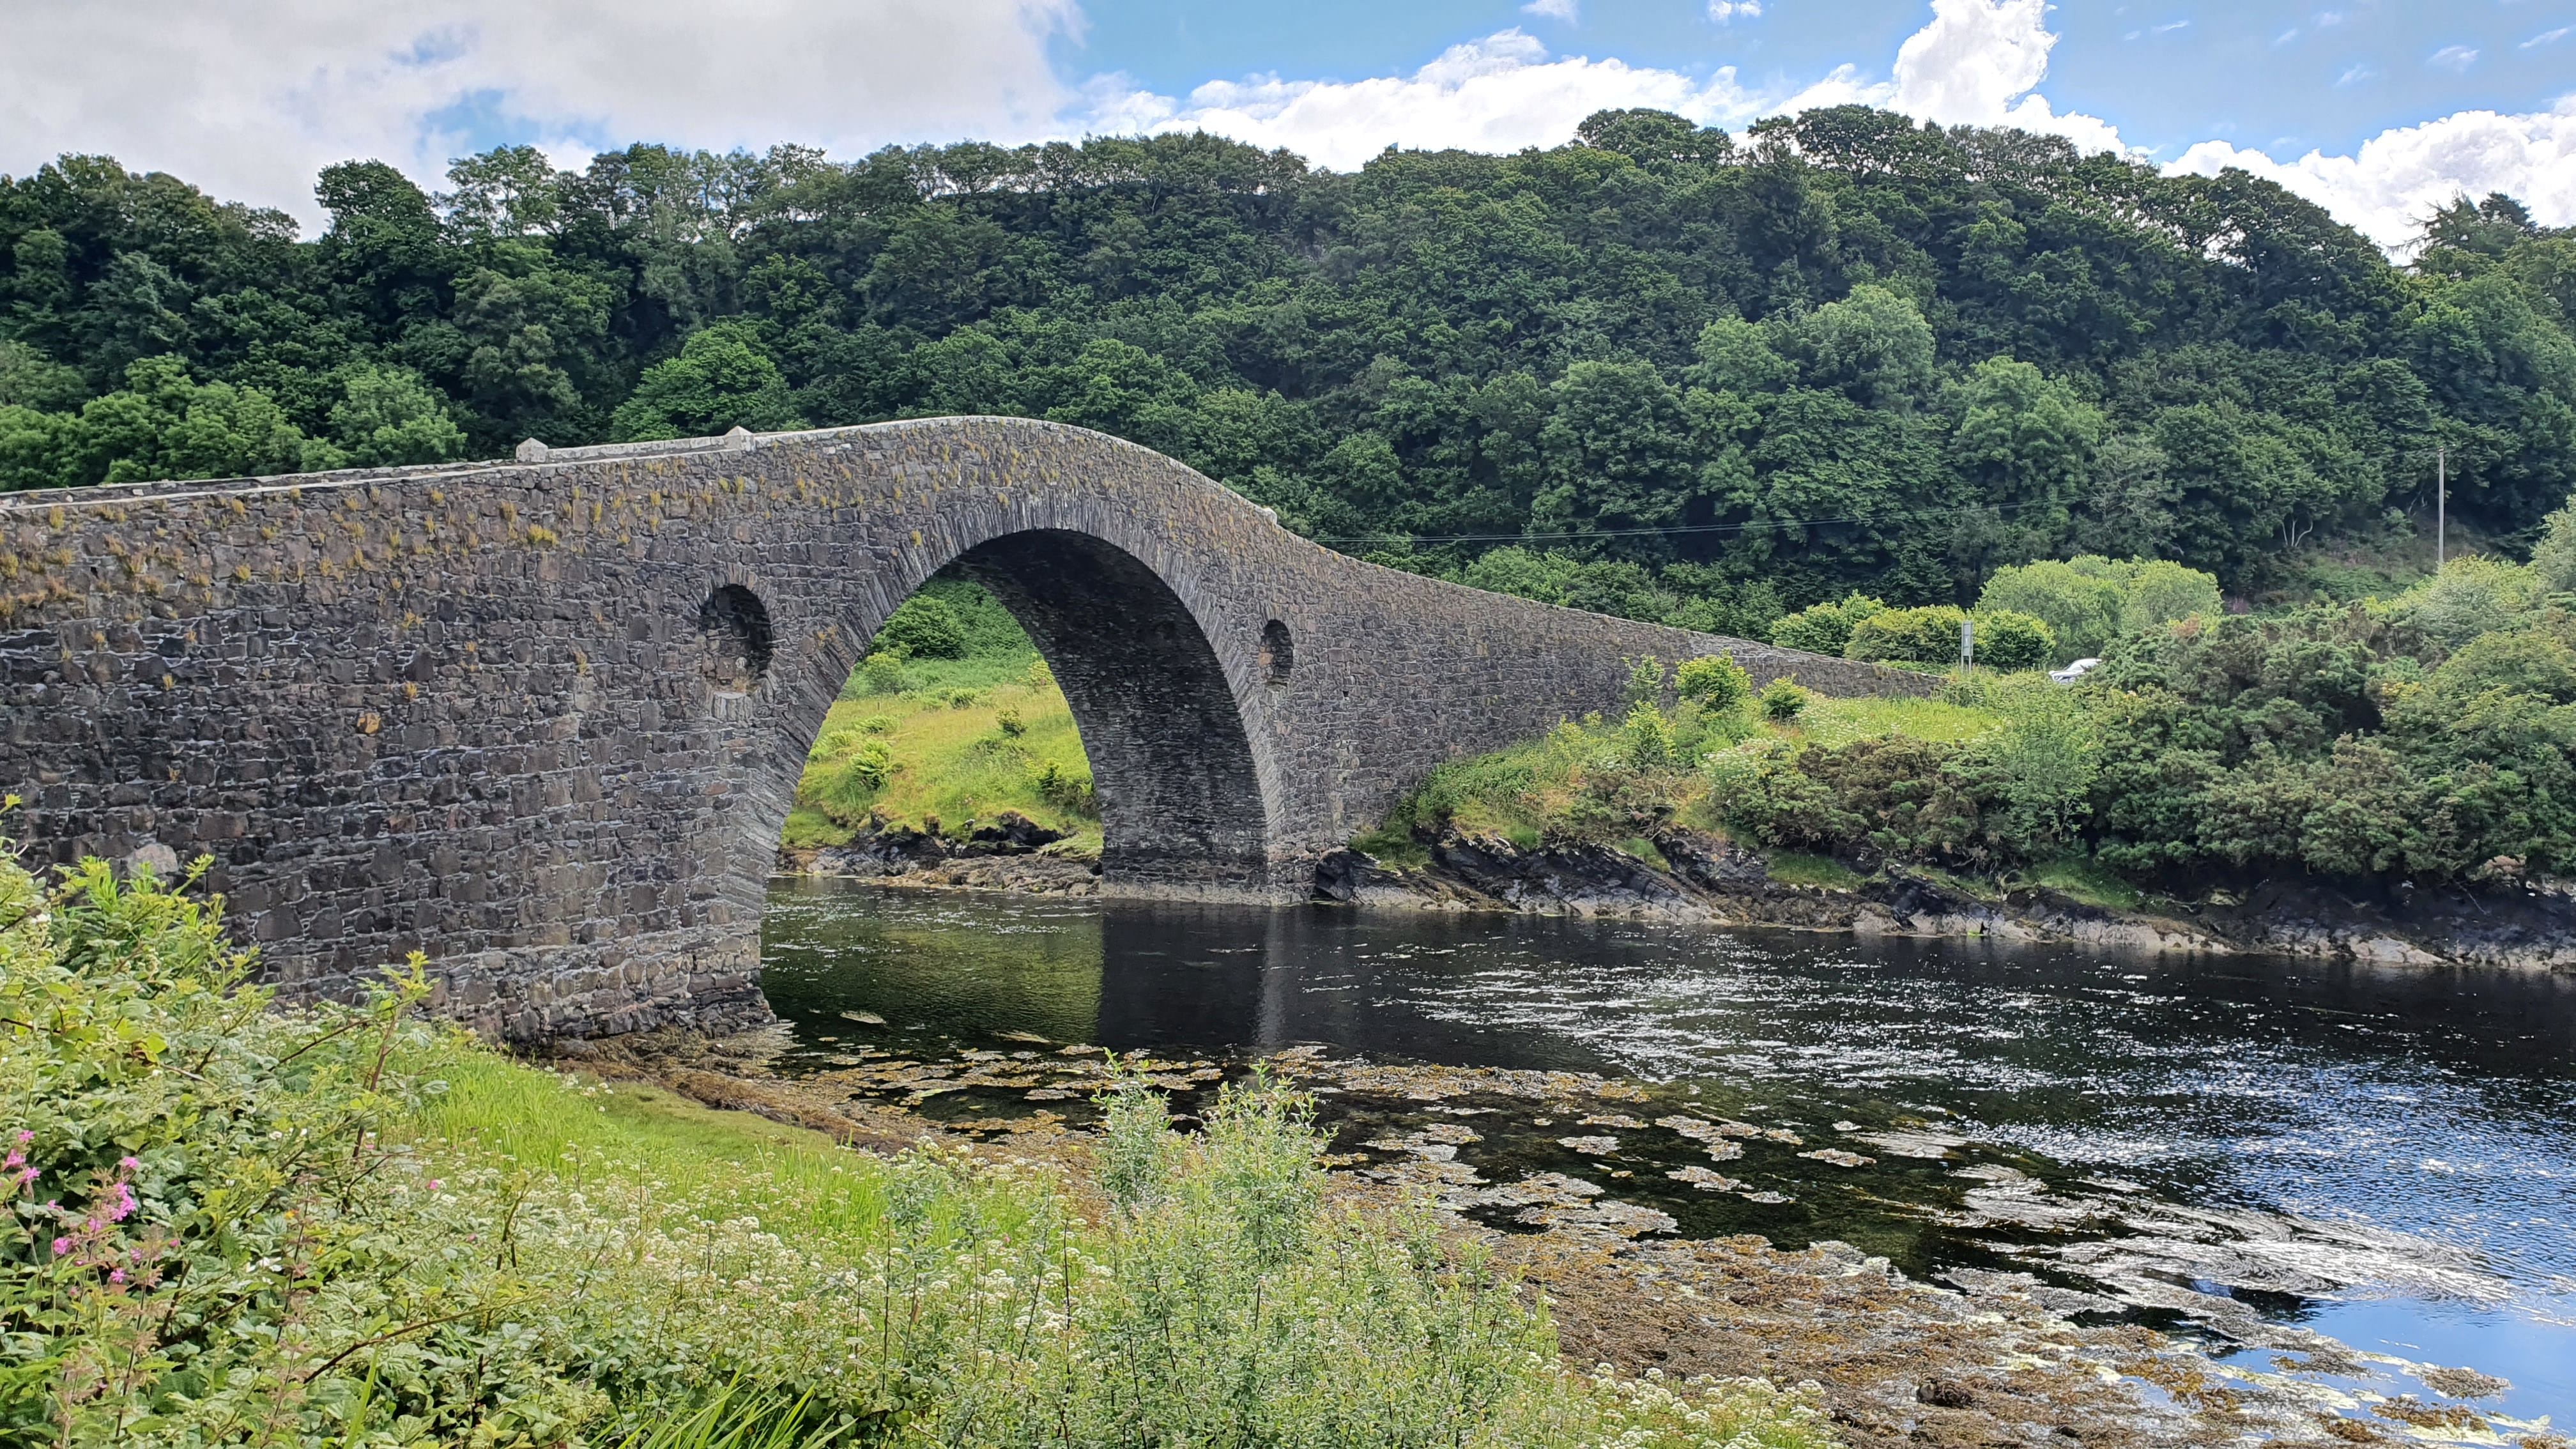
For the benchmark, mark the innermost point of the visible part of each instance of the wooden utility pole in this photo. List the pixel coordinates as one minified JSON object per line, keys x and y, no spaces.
{"x":2441,"y":501}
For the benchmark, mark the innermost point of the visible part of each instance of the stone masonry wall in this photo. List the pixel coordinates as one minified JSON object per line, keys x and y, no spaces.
{"x":543,"y":719}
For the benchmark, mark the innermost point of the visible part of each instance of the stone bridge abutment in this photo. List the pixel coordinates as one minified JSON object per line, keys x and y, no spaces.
{"x":543,"y":719}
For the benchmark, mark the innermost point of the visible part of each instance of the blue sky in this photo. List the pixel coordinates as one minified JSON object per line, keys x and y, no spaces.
{"x":2376,"y":109}
{"x":2279,"y":76}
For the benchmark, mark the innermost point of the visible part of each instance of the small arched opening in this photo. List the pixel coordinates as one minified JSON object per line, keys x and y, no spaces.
{"x":1278,"y":654}
{"x":735,"y":639}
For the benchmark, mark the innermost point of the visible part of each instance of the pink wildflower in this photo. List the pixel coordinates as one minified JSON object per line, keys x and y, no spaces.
{"x":25,"y":1136}
{"x":130,"y":1164}
{"x":116,"y":1275}
{"x":433,"y":1184}
{"x":62,"y":1246}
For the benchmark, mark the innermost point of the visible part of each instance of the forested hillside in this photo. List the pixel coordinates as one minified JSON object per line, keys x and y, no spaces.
{"x":1673,"y":373}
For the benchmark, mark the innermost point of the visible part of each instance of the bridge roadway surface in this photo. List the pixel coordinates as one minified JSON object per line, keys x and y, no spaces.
{"x":543,"y":719}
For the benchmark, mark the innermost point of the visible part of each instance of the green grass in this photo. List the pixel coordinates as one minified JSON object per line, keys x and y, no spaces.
{"x":1796,"y":867}
{"x":934,"y":753}
{"x":1601,"y":781}
{"x":2080,"y":878}
{"x":719,"y":1163}
{"x":1975,"y":888}
{"x":1393,"y":846}
{"x":939,"y":744}
{"x":1828,"y":721}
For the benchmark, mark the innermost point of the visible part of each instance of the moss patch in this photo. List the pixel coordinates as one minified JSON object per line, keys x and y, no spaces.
{"x":1797,"y":867}
{"x":2084,"y":880}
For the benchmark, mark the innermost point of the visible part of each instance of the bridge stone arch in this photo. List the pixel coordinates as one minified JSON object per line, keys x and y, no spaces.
{"x":543,"y":719}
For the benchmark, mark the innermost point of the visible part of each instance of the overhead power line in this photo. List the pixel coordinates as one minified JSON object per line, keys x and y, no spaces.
{"x":1897,"y":516}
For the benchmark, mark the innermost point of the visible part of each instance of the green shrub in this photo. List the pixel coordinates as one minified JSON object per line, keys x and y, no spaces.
{"x":923,"y":627}
{"x":2007,"y":640}
{"x":988,"y":628}
{"x":206,"y":1217}
{"x":883,"y":674}
{"x":1067,"y":790}
{"x":1824,"y":628}
{"x":1782,"y":700}
{"x":869,"y":766}
{"x":1758,"y":796}
{"x":2159,"y":591}
{"x":2469,"y":597}
{"x":1921,"y":637}
{"x":2553,"y":558}
{"x":2032,"y":780}
{"x":1646,"y":682}
{"x":2081,"y":605}
{"x":1714,"y":682}
{"x":2090,"y":600}
{"x":1646,"y":739}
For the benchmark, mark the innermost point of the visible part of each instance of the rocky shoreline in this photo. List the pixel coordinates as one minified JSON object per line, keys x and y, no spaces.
{"x":1702,"y":880}
{"x":1009,"y":853}
{"x":1979,"y":1358}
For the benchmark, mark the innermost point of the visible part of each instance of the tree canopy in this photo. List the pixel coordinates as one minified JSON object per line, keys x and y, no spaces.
{"x":1673,"y":368}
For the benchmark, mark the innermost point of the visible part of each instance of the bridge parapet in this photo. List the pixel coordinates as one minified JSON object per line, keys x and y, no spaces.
{"x":543,"y":719}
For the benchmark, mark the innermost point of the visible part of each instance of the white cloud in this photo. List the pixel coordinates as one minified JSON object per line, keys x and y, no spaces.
{"x":1726,"y":12}
{"x":1973,"y":59}
{"x":1565,"y":10}
{"x":2399,"y":176}
{"x":1977,"y":64}
{"x":2546,"y":37}
{"x":250,"y":100}
{"x":2453,"y":58}
{"x":2356,"y":75}
{"x":1974,"y":64}
{"x":1500,"y":93}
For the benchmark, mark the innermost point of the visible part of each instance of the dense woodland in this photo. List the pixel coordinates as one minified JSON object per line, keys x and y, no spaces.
{"x":1660,"y":370}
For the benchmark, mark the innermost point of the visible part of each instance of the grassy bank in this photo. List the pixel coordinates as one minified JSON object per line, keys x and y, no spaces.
{"x":949,"y":723}
{"x":2428,"y":737}
{"x":235,"y":1224}
{"x":1619,"y":782}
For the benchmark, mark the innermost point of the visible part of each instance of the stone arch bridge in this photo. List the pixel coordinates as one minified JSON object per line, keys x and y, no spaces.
{"x":543,"y":719}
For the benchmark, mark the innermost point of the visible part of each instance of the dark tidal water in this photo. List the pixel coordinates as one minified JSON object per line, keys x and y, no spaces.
{"x":2397,"y":1145}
